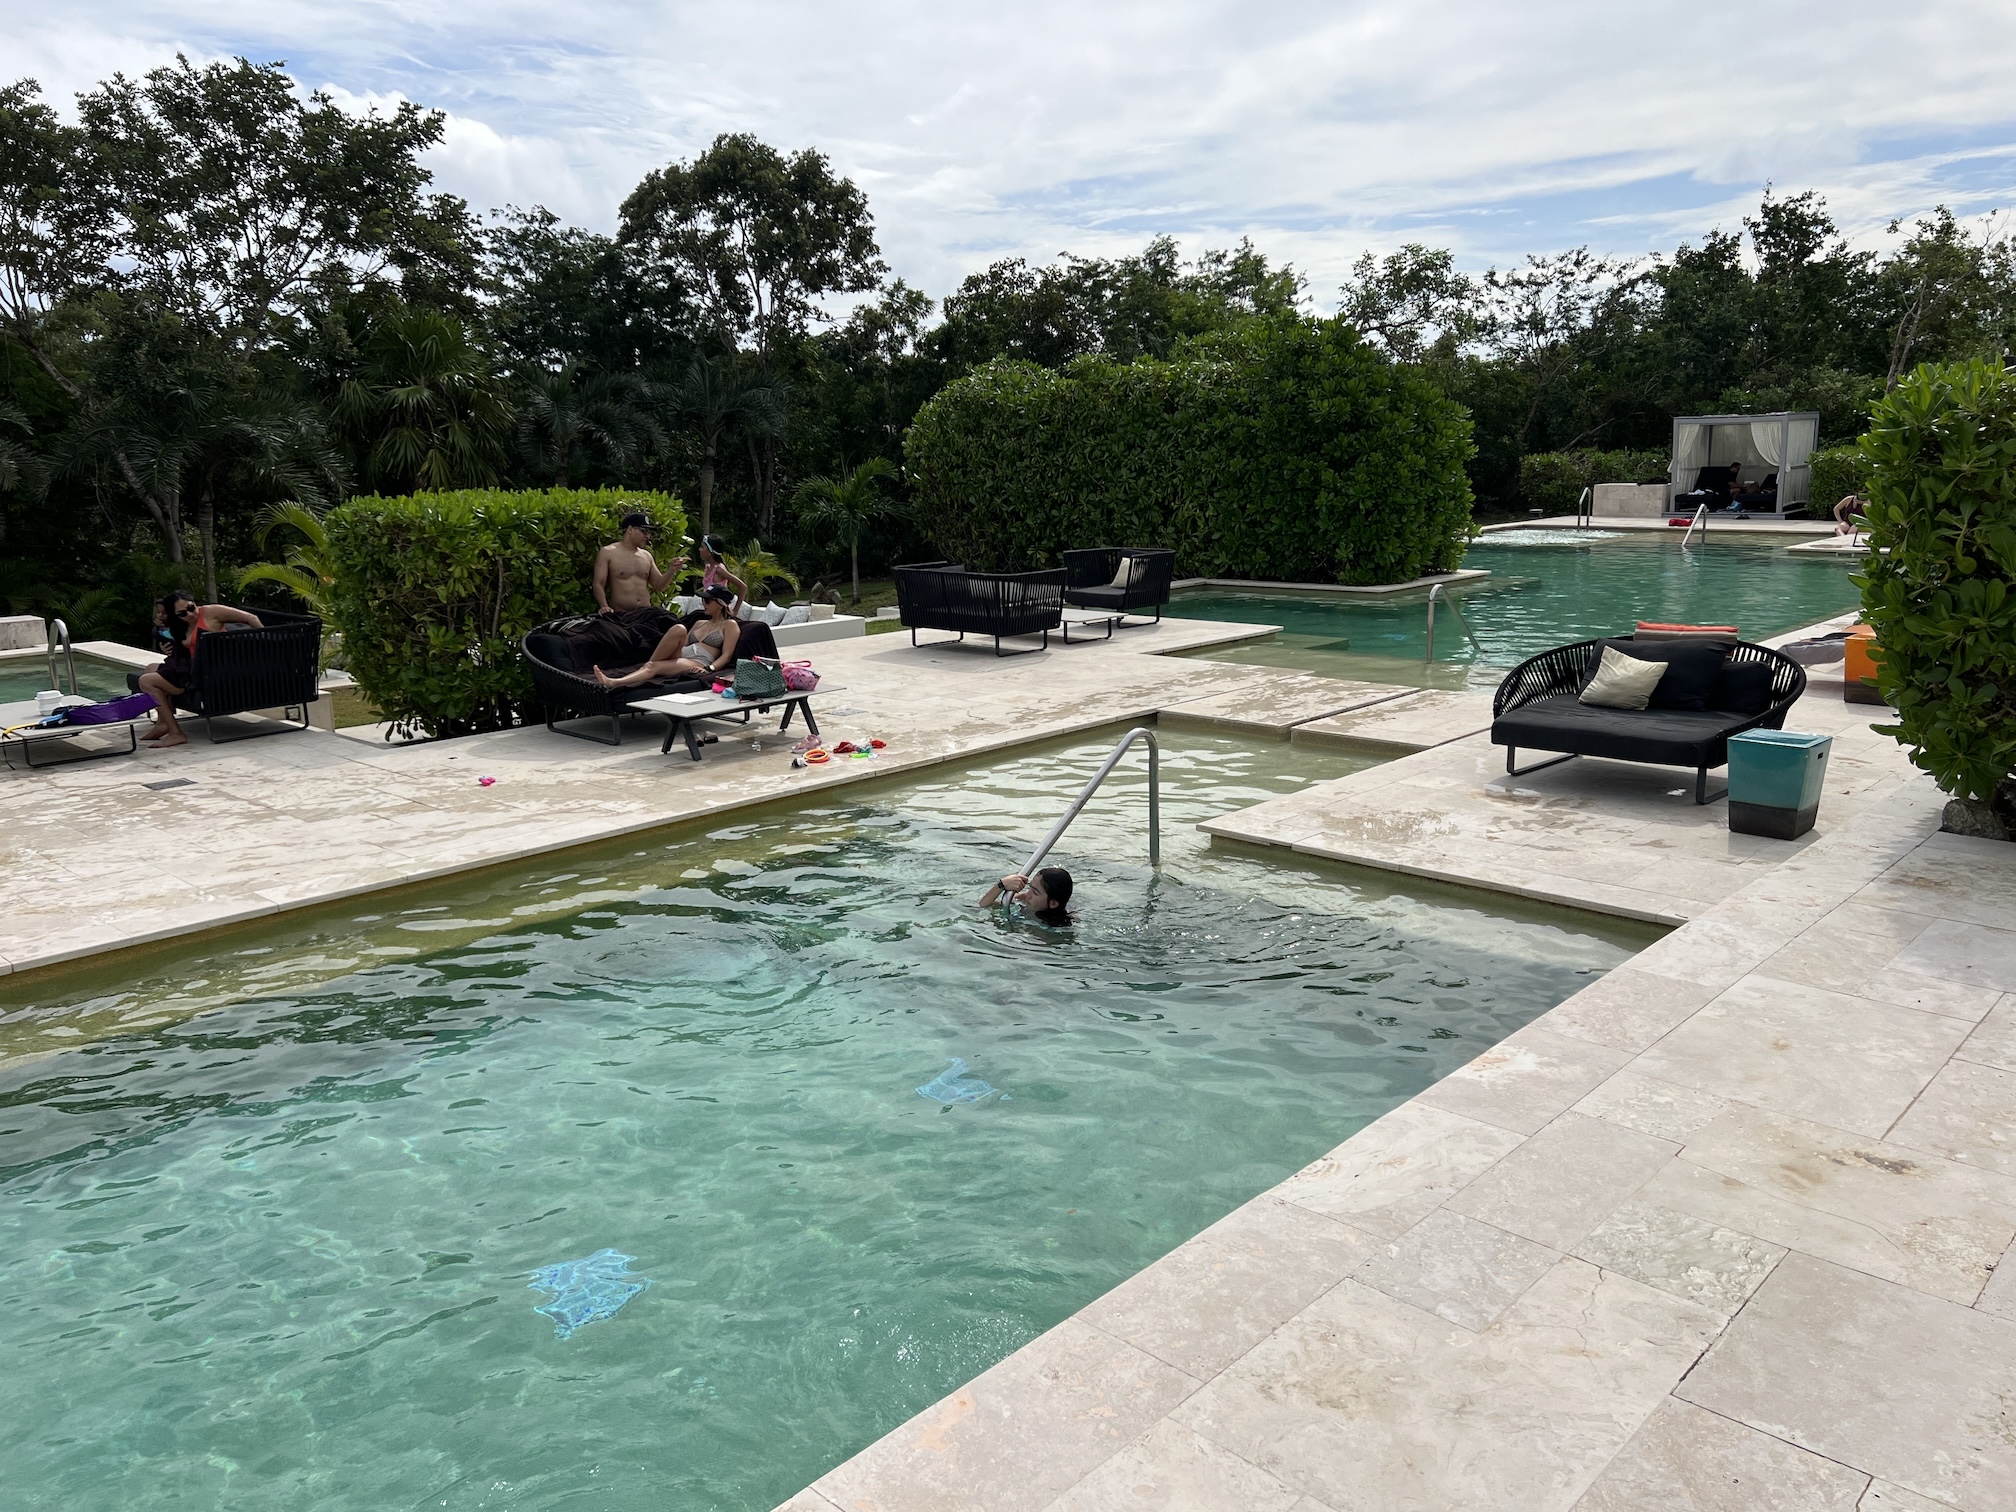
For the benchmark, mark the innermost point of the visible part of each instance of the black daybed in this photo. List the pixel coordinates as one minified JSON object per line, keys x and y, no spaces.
{"x":242,"y":669}
{"x":562,"y":655}
{"x":1120,"y":580}
{"x":1712,"y":690}
{"x":945,"y":596}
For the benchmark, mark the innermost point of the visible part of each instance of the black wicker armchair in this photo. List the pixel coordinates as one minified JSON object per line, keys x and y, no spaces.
{"x":1538,"y":708}
{"x":1120,"y":580}
{"x":566,"y":693}
{"x":945,"y":596}
{"x":240,"y":670}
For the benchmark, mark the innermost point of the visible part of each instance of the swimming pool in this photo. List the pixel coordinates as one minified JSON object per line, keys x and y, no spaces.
{"x":276,"y":1255}
{"x":1539,"y":595}
{"x":22,"y":677}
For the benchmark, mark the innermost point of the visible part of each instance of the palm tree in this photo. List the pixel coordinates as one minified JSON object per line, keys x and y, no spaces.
{"x":757,"y":569}
{"x":565,"y":411}
{"x":709,"y":397}
{"x":848,"y":506}
{"x":309,"y":570}
{"x":20,"y":467}
{"x":425,"y":404}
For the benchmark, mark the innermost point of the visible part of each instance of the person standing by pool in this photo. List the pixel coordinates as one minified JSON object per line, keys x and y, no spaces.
{"x":179,"y":620}
{"x":1041,"y":896}
{"x":625,"y":574}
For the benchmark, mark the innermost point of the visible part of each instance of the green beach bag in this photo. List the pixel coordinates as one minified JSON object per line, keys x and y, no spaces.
{"x":759,"y":677}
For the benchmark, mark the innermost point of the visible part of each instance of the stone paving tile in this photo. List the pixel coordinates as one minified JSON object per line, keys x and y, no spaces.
{"x":1458,"y":1269}
{"x":1210,"y":1300}
{"x":1687,"y":1458}
{"x":1973,"y":955}
{"x":1017,"y":1436}
{"x":1884,"y":1497}
{"x":1846,"y":949}
{"x":1430,"y":718}
{"x":1651,"y":1106}
{"x":1999,"y":1295}
{"x":1354,"y":1400}
{"x":1719,"y":951}
{"x":1396,"y":1171}
{"x":1950,"y":877}
{"x":1689,"y":1257}
{"x":1525,"y":1080}
{"x":1174,"y":1470}
{"x":1808,"y":1052}
{"x":1628,"y":1009}
{"x":1565,"y":1180}
{"x":807,"y":1500}
{"x":1896,"y":1213}
{"x":1907,"y":1387}
{"x":1967,"y":1114}
{"x":1271,"y":702}
{"x":1994,"y":1042}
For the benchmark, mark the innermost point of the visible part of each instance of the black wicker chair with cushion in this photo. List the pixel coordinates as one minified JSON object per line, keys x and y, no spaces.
{"x":1120,"y":580}
{"x":562,"y":654}
{"x":1710,"y":691}
{"x":242,"y":670}
{"x":945,"y":596}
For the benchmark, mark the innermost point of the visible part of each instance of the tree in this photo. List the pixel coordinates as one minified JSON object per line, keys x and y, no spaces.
{"x":559,"y":294}
{"x":709,"y":397}
{"x":423,"y":405}
{"x":1953,"y":295}
{"x":309,"y":570}
{"x":562,"y":414}
{"x":847,"y":507}
{"x":1411,"y":302}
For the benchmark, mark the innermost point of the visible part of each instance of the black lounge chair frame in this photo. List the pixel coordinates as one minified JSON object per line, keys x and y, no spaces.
{"x":1658,"y":737}
{"x":945,"y":596}
{"x":278,"y":666}
{"x":1089,"y":575}
{"x":565,"y":694}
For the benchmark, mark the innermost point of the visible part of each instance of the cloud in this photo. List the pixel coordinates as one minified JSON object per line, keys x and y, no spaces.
{"x":1318,"y":129}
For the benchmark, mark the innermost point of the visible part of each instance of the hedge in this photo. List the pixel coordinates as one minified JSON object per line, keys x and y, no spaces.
{"x":433,"y":592}
{"x":1284,"y":449}
{"x":1837,"y":472}
{"x":1940,"y":582}
{"x":1554,"y":481}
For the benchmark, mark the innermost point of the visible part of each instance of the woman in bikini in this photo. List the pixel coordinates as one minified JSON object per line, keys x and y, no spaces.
{"x":709,"y":647}
{"x":180,"y":620}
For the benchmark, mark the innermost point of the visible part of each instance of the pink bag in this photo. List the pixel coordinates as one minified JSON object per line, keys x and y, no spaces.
{"x":799,"y":676}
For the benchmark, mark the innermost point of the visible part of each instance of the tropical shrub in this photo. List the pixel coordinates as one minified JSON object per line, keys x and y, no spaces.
{"x":433,"y":592}
{"x":1283,"y":449}
{"x":1837,"y":472}
{"x":1553,"y":481}
{"x":1940,"y":583}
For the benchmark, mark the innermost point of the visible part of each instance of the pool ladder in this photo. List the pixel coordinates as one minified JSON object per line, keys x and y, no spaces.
{"x":60,"y":633}
{"x":1700,"y":521}
{"x":1077,"y":804}
{"x":1435,"y":597}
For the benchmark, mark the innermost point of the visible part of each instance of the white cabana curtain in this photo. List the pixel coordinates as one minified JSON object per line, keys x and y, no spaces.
{"x":1766,"y":436}
{"x":1690,"y":455}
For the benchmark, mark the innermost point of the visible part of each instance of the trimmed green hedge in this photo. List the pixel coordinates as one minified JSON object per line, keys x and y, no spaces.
{"x":1284,"y":450}
{"x":1837,"y":472}
{"x":1554,"y":481}
{"x":434,"y":591}
{"x":1940,"y":584}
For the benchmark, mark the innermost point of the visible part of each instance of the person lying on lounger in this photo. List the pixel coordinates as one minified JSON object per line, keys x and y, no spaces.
{"x":1042,"y":896}
{"x":707,"y":649}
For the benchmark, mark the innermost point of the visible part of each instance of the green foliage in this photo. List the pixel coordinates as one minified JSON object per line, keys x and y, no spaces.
{"x":758,"y":570}
{"x":847,"y":506}
{"x":1282,"y":449}
{"x":434,"y":591}
{"x":1940,"y":584}
{"x":1554,"y":481}
{"x":1837,"y":472}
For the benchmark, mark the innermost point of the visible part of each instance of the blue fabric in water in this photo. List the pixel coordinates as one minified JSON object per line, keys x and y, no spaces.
{"x":952,"y":1085}
{"x":586,"y":1291}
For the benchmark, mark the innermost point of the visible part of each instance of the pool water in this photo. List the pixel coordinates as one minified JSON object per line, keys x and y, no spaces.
{"x":22,"y":677}
{"x":276,"y":1255}
{"x":1540,"y":594}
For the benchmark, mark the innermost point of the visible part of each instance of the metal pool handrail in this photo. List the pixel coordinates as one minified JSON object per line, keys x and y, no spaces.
{"x":58,"y":631}
{"x":1435,"y":596}
{"x":1078,"y":803}
{"x":1700,"y":519}
{"x":1585,"y":508}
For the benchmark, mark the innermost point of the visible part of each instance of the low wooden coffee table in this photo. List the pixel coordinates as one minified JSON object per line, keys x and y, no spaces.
{"x":686,"y":710}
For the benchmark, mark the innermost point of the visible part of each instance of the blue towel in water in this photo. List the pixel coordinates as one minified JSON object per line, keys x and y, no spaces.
{"x":586,"y":1291}
{"x":952,"y":1085}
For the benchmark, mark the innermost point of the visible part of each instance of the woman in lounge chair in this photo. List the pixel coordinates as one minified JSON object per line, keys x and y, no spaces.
{"x":708,"y":648}
{"x":1042,"y":897}
{"x":179,"y":620}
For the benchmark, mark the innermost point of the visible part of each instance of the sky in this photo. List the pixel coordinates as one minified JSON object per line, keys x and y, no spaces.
{"x":1320,"y":131}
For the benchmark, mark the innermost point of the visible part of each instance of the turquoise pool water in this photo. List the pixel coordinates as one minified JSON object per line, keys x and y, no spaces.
{"x":1538,"y":595}
{"x":276,"y":1255}
{"x":21,"y":678}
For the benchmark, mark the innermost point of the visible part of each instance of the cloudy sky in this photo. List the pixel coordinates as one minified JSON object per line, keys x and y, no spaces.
{"x":1319,"y":130}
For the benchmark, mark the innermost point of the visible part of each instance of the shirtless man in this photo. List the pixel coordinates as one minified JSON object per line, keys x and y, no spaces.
{"x":625,"y":574}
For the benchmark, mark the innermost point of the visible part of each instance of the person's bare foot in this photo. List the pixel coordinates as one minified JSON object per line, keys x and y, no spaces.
{"x":603,"y":677}
{"x":154,"y":732}
{"x":170,"y":738}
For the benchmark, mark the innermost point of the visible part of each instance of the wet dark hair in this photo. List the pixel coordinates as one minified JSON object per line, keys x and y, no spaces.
{"x":1057,"y":888}
{"x":637,"y":519}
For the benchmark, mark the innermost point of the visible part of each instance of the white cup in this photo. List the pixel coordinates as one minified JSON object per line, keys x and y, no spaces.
{"x":48,"y":702}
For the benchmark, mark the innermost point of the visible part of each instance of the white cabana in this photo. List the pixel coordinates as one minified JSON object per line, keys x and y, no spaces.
{"x":1758,"y":444}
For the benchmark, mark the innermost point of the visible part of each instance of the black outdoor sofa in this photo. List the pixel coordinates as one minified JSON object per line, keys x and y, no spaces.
{"x":1123,"y":580}
{"x":1727,"y":687}
{"x":562,"y":655}
{"x":240,"y":670}
{"x":945,"y":596}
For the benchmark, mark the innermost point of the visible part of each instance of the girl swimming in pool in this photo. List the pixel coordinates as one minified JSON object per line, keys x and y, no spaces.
{"x":1042,"y":896}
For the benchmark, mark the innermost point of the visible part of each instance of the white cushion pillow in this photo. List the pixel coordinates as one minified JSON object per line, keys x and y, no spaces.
{"x":687,"y":602}
{"x":797,"y":614}
{"x":772,"y":614}
{"x":1622,"y":682}
{"x":1132,"y":569}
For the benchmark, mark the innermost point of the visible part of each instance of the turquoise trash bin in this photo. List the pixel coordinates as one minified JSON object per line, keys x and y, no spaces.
{"x":1774,"y":781}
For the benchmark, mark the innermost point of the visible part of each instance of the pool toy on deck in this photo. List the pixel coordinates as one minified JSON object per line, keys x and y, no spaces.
{"x":953,"y":1085}
{"x":486,"y":782}
{"x":586,"y":1291}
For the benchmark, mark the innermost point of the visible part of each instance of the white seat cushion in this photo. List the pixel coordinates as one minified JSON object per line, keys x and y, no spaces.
{"x":797,"y":614}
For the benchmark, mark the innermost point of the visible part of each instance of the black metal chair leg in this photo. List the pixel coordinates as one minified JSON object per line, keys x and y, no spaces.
{"x":1511,"y":752}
